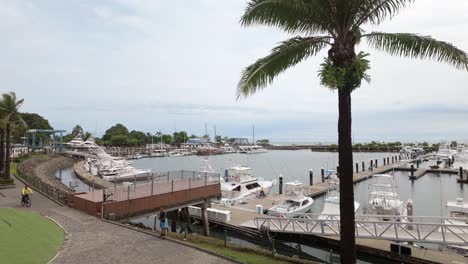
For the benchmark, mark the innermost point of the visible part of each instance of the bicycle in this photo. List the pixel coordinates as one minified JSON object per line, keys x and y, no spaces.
{"x":26,"y":201}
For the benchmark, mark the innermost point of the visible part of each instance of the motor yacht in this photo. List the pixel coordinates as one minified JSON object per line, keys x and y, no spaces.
{"x":238,"y":184}
{"x":254,"y":149}
{"x":384,"y":198}
{"x":294,"y":203}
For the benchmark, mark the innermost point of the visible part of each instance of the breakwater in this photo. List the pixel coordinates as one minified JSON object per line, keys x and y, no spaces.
{"x":39,"y":172}
{"x":334,"y":148}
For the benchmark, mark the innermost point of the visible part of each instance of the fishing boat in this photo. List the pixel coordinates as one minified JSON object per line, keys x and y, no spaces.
{"x":331,"y":206}
{"x":238,"y":184}
{"x":294,"y":203}
{"x":458,"y":209}
{"x":384,"y":198}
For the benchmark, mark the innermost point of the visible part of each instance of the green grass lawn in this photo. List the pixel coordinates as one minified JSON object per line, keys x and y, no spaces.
{"x":28,"y":238}
{"x":243,"y":254}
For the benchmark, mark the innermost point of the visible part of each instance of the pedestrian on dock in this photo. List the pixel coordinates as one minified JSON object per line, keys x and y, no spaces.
{"x":162,"y":222}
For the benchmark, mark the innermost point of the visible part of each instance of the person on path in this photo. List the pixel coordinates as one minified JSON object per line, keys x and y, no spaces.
{"x":25,"y":192}
{"x":162,"y":223}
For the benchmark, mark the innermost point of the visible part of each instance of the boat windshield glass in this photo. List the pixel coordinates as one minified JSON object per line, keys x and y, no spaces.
{"x":252,"y":186}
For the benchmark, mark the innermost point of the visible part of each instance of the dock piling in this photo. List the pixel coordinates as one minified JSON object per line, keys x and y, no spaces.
{"x":371,"y":164}
{"x":357,"y":167}
{"x":461,"y":173}
{"x":393,"y":160}
{"x":311,"y":177}
{"x":412,"y":171}
{"x":323,"y":174}
{"x":363,"y":166}
{"x":376,"y":163}
{"x":388,"y":160}
{"x":206,"y":225}
{"x":409,"y":210}
{"x":281,"y":185}
{"x":384,"y":163}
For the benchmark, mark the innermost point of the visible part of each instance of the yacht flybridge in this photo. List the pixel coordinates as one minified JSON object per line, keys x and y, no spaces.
{"x":384,"y":198}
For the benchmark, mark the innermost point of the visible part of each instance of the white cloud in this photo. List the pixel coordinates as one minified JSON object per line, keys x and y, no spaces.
{"x":117,"y":55}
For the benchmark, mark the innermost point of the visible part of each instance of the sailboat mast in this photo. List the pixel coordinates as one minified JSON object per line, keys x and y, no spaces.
{"x":253,"y":134}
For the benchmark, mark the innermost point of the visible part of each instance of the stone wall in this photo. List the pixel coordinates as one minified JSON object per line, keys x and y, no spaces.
{"x":39,"y":171}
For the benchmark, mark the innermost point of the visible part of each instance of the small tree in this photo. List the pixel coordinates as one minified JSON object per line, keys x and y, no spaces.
{"x":9,"y":106}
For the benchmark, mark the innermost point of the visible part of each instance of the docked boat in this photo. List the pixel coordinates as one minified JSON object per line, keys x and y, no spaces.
{"x":294,"y":203}
{"x":254,"y":149}
{"x":331,"y":206}
{"x":179,"y":153}
{"x":238,"y":184}
{"x":384,"y":198}
{"x":458,"y":209}
{"x":209,"y":151}
{"x":158,"y":153}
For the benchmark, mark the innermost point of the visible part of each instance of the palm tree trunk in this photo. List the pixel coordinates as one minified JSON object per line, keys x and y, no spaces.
{"x":345,"y":171}
{"x":7,"y":151}
{"x":2,"y":149}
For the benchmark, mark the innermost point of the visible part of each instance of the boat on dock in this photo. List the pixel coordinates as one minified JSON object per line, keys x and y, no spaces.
{"x":331,"y":206}
{"x":254,"y":149}
{"x":239,"y":184}
{"x":458,"y":209}
{"x":294,"y":203}
{"x":384,"y":198}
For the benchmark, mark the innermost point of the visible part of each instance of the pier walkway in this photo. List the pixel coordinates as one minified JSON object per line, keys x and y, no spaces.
{"x":169,"y":190}
{"x":433,"y":230}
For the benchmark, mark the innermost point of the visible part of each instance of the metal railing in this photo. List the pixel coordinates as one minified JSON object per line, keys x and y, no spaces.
{"x":37,"y":183}
{"x":421,"y":229}
{"x":161,"y":183}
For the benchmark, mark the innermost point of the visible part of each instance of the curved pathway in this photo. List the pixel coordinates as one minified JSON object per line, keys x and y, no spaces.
{"x":91,"y":240}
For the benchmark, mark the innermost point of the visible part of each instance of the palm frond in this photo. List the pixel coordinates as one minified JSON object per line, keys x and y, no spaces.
{"x":417,"y":46}
{"x":21,"y":121}
{"x":375,"y":11}
{"x":287,"y":54}
{"x":293,"y":16}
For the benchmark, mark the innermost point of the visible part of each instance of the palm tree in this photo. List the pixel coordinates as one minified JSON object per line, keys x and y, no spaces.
{"x":336,"y":24}
{"x":2,"y":144}
{"x":9,"y":107}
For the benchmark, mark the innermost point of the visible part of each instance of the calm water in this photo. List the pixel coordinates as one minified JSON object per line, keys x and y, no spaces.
{"x":429,"y":193}
{"x":68,"y":176}
{"x":292,"y":164}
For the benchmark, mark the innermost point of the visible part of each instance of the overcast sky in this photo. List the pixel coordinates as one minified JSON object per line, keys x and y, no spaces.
{"x":165,"y":65}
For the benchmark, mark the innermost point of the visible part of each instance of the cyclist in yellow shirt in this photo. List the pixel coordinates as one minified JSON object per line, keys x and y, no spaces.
{"x":25,"y":192}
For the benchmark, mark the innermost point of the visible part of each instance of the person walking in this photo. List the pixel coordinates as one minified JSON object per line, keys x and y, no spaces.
{"x":162,"y":222}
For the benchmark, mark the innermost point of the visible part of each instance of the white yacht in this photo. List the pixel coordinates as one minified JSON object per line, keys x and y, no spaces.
{"x":238,"y":184}
{"x":384,"y":198}
{"x":331,"y":206}
{"x":294,"y":203}
{"x":112,"y":168}
{"x":158,"y":153}
{"x":179,"y":153}
{"x":458,"y":209}
{"x":254,"y":149}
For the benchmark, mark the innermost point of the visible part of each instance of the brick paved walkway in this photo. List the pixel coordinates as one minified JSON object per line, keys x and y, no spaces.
{"x":93,"y":241}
